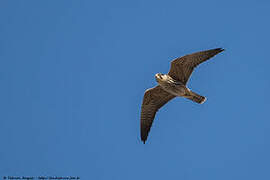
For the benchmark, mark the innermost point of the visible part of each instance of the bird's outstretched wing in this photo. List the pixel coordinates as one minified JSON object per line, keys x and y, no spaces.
{"x":154,"y":98}
{"x":181,"y":68}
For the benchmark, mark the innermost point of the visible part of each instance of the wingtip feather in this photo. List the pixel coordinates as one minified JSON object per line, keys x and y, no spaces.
{"x":220,"y":49}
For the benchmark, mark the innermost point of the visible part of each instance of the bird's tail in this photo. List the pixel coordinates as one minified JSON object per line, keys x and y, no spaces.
{"x":196,"y":97}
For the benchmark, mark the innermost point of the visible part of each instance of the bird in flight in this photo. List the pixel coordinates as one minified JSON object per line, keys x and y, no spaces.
{"x":172,"y":85}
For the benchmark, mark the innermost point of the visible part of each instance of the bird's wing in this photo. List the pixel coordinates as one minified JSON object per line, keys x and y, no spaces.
{"x":154,"y":98}
{"x":181,"y":68}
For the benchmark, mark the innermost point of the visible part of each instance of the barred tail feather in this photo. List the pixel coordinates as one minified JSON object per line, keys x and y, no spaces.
{"x":196,"y":98}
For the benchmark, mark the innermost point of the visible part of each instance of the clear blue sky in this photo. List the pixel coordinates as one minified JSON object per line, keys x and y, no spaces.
{"x":73,"y":74}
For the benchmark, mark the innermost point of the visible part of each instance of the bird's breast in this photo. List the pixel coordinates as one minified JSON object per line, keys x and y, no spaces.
{"x":177,"y":89}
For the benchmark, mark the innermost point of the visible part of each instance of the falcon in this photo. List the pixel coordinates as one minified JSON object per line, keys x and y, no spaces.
{"x":172,"y":85}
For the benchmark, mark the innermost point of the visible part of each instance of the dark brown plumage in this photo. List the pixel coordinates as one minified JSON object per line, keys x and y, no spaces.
{"x":181,"y":68}
{"x":155,"y":98}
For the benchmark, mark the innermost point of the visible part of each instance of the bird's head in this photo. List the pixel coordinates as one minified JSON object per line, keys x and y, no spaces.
{"x":160,"y":77}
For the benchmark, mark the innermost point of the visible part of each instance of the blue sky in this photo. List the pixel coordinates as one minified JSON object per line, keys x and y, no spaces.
{"x":73,"y":75}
